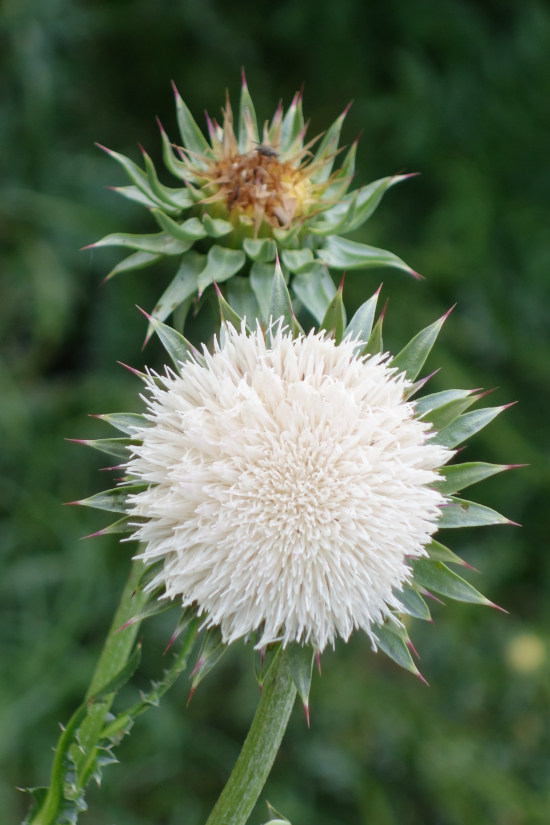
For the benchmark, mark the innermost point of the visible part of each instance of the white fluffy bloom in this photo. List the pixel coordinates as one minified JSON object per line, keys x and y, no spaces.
{"x":289,"y":485}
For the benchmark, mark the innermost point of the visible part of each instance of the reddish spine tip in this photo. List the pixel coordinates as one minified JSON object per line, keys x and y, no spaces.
{"x":306,"y":709}
{"x":144,"y":313}
{"x":191,"y":692}
{"x":383,"y":313}
{"x":418,"y":277}
{"x":90,"y":246}
{"x":318,"y":660}
{"x":507,"y":406}
{"x":70,"y":503}
{"x":516,"y":466}
{"x":130,"y":369}
{"x":341,"y":287}
{"x":218,"y":290}
{"x":346,"y":110}
{"x":124,"y":626}
{"x":104,"y":148}
{"x":197,"y":666}
{"x":243,"y":77}
{"x":496,"y":607}
{"x":469,"y":566}
{"x":444,"y":317}
{"x":412,"y":647}
{"x":170,"y":643}
{"x":174,"y":88}
{"x":378,"y":291}
{"x":513,"y":523}
{"x":422,"y":679}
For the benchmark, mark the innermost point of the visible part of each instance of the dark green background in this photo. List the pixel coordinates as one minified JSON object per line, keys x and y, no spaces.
{"x":456,"y":90}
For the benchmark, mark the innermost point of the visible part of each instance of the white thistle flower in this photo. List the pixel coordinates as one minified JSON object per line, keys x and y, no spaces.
{"x":289,"y":485}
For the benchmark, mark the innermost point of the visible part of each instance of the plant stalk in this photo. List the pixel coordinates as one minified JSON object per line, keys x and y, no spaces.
{"x":260,"y":748}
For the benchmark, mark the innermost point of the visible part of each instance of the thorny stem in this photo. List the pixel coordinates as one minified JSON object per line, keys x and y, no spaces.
{"x":260,"y":748}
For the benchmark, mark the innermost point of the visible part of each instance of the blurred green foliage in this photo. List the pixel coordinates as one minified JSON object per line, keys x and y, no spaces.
{"x":457,"y":90}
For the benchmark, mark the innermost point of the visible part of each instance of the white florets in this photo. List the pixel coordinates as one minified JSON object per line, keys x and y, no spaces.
{"x":291,"y":485}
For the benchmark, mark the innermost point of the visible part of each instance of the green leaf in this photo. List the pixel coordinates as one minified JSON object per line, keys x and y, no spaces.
{"x":375,"y":344}
{"x":297,"y":260}
{"x":326,"y":152}
{"x":293,"y":123}
{"x":210,"y":653}
{"x":136,"y":175}
{"x":339,"y":253}
{"x":459,"y":476}
{"x":436,"y":576}
{"x":412,"y":357}
{"x":444,"y":415}
{"x":465,"y":426}
{"x":242,"y":299}
{"x":178,"y":348}
{"x":173,"y":164}
{"x":360,"y":326}
{"x":191,"y":135}
{"x":437,"y":399}
{"x":394,"y":647}
{"x":215,"y":227}
{"x":261,"y":281}
{"x":114,"y":501}
{"x":118,"y":447}
{"x":280,"y":305}
{"x":138,"y":260}
{"x":413,"y":604}
{"x":128,"y":524}
{"x":300,"y":660}
{"x":134,"y":193}
{"x":188,"y":232}
{"x":160,"y":243}
{"x":315,"y":289}
{"x":438,"y":552}
{"x":124,"y":675}
{"x":221,"y":264}
{"x":125,"y":422}
{"x":248,"y":126}
{"x":468,"y":514}
{"x":368,"y":199}
{"x":175,"y":198}
{"x":228,"y":315}
{"x":335,"y":317}
{"x":262,"y":250}
{"x":184,"y":285}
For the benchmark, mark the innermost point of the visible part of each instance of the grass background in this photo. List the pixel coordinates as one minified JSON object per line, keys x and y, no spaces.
{"x":453,"y":89}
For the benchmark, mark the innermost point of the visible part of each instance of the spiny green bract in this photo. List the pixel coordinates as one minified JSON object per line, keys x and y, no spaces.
{"x":241,"y":200}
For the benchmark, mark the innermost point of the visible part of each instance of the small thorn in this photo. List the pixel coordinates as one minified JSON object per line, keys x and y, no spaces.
{"x":346,"y":110}
{"x":483,"y":394}
{"x":422,"y":679}
{"x":341,"y":287}
{"x":383,"y":313}
{"x":411,"y":175}
{"x":130,"y":369}
{"x":431,"y":596}
{"x":261,"y":689}
{"x":516,"y":466}
{"x":92,"y":535}
{"x":77,"y":440}
{"x":378,"y":291}
{"x":417,"y":277}
{"x":191,"y":694}
{"x":104,"y":148}
{"x":444,"y":317}
{"x":496,"y":607}
{"x":197,"y":666}
{"x":111,"y":469}
{"x":513,"y":523}
{"x":469,"y":566}
{"x":170,"y":643}
{"x":61,"y":726}
{"x":412,"y":647}
{"x":70,"y":503}
{"x":306,"y":709}
{"x":507,"y":406}
{"x":318,"y":660}
{"x":262,"y":655}
{"x":243,"y":77}
{"x":124,"y":626}
{"x":159,"y":124}
{"x":174,"y":88}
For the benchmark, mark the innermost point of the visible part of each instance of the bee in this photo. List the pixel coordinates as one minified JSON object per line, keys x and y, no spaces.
{"x":266,"y":151}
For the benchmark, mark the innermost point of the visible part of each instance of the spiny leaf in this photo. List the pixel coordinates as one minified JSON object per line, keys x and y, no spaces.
{"x":262,"y":250}
{"x":191,"y":135}
{"x":297,"y":260}
{"x":184,"y":286}
{"x":188,"y":232}
{"x":444,"y":415}
{"x":327,"y":149}
{"x":360,"y":326}
{"x":394,"y":647}
{"x":438,"y":399}
{"x":174,"y":165}
{"x":188,"y":614}
{"x":178,"y":348}
{"x":177,"y":198}
{"x":300,"y":660}
{"x":293,"y":123}
{"x":261,"y":282}
{"x":335,"y":317}
{"x":216,"y":227}
{"x":137,"y":260}
{"x":221,"y":264}
{"x":150,"y":573}
{"x":210,"y":653}
{"x":128,"y":524}
{"x":153,"y":607}
{"x":248,"y":126}
{"x":315,"y":289}
{"x":125,"y":422}
{"x":459,"y":476}
{"x":134,"y":193}
{"x":375,"y":343}
{"x":118,"y":447}
{"x":413,"y":604}
{"x":434,"y":575}
{"x":412,"y":357}
{"x":114,"y":501}
{"x":466,"y":425}
{"x":228,"y":315}
{"x":339,"y":253}
{"x":468,"y":514}
{"x":124,"y":675}
{"x":136,"y":175}
{"x":438,"y":552}
{"x":161,"y":243}
{"x":367,"y":200}
{"x":280,"y":305}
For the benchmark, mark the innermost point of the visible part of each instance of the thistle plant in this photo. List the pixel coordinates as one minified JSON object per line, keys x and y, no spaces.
{"x":287,"y":485}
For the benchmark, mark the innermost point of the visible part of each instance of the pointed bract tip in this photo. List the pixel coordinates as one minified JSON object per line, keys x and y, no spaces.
{"x":130,"y":369}
{"x":159,"y":124}
{"x":469,"y":566}
{"x":383,"y":313}
{"x":104,"y":148}
{"x":410,"y":175}
{"x":431,"y":596}
{"x":149,"y":318}
{"x":124,"y":626}
{"x":378,"y":291}
{"x":422,"y":679}
{"x":170,"y":643}
{"x":191,"y":692}
{"x":318,"y":660}
{"x":444,"y":317}
{"x":418,"y":277}
{"x":507,"y":406}
{"x":483,"y":394}
{"x":513,"y":523}
{"x":306,"y":709}
{"x":77,"y":440}
{"x":199,"y":664}
{"x":412,"y":647}
{"x":496,"y":607}
{"x":218,"y":290}
{"x":346,"y":110}
{"x":70,"y":503}
{"x":341,"y":287}
{"x":90,"y":246}
{"x":92,"y":535}
{"x":174,"y":88}
{"x":243,"y":77}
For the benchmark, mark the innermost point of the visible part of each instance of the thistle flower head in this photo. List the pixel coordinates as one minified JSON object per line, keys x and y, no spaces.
{"x":290,"y":484}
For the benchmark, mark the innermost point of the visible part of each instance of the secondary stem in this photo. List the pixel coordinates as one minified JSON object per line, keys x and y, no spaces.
{"x":260,"y":748}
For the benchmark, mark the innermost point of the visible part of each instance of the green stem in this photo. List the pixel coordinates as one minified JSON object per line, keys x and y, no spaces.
{"x":114,"y":655}
{"x":260,"y":748}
